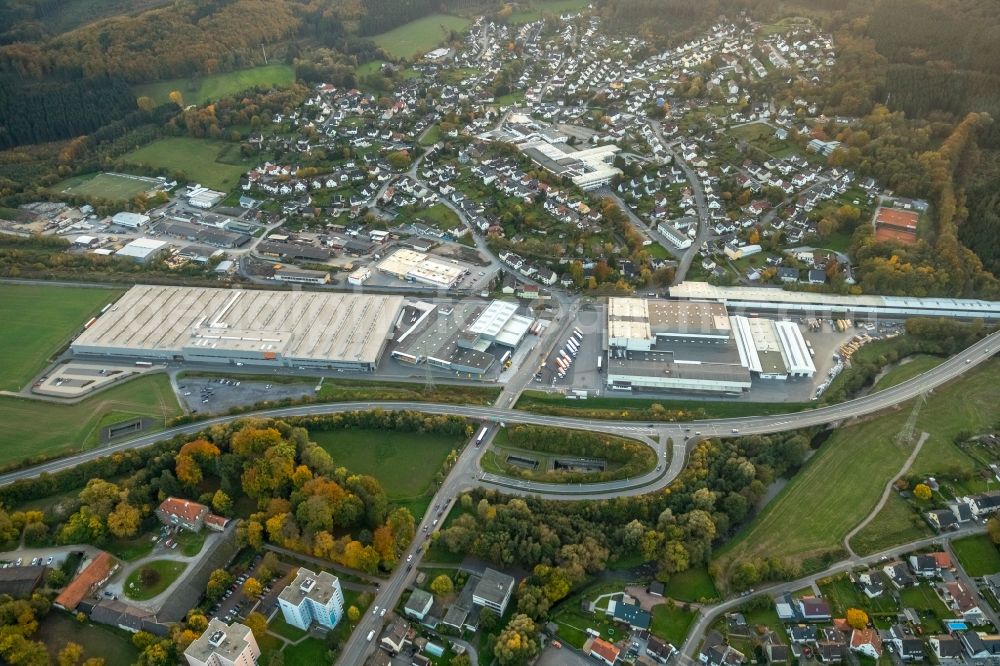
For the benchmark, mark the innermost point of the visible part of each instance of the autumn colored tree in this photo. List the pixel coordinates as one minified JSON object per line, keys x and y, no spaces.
{"x":517,"y":643}
{"x":353,"y":614}
{"x":252,"y":587}
{"x":221,"y":503}
{"x":922,"y":492}
{"x":442,"y":586}
{"x":177,"y":98}
{"x":993,"y":529}
{"x":857,"y":618}
{"x":124,"y":521}
{"x":70,"y":655}
{"x":257,"y":623}
{"x":218,"y":582}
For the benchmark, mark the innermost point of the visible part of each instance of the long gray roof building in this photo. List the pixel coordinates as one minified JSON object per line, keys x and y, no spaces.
{"x":270,"y":328}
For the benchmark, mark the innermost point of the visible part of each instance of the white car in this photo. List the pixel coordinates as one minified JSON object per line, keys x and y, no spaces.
{"x":409,"y":558}
{"x":382,"y":614}
{"x":375,"y":610}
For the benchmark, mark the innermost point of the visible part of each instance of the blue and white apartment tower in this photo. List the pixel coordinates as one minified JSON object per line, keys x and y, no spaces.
{"x":312,"y":598}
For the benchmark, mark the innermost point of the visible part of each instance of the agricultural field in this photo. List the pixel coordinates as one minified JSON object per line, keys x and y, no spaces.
{"x":405,"y":463}
{"x":111,"y":186}
{"x":37,"y":321}
{"x":216,"y":86}
{"x":418,"y":37}
{"x":74,"y":428}
{"x":978,"y":555}
{"x":214,"y":164}
{"x":841,"y":484}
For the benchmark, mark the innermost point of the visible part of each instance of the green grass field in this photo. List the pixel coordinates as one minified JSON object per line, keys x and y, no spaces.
{"x":418,"y":37}
{"x":671,"y":623}
{"x":691,"y":585}
{"x":214,"y":164}
{"x":896,"y":523}
{"x":841,"y":484}
{"x":978,"y":555}
{"x":404,"y":462}
{"x":116,"y":187}
{"x":915,"y":365}
{"x":162,"y":573}
{"x":72,"y":428}
{"x":98,"y":640}
{"x":282,"y":628}
{"x":37,"y":321}
{"x":217,"y":86}
{"x":537,"y":9}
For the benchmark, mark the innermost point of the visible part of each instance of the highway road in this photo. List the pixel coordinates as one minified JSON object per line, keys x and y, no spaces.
{"x":873,"y":402}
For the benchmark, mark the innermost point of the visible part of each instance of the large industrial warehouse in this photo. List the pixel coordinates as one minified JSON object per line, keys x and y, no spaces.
{"x":697,"y":346}
{"x":672,"y":345}
{"x":270,"y":328}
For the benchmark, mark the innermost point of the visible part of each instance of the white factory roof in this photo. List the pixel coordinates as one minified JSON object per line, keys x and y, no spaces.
{"x":127,"y":219}
{"x":500,"y":323}
{"x":409,"y":263}
{"x":307,"y":326}
{"x":141,"y":248}
{"x":797,"y":355}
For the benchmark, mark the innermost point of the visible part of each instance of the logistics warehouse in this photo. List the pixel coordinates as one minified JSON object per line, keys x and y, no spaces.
{"x":270,"y":328}
{"x":697,"y":346}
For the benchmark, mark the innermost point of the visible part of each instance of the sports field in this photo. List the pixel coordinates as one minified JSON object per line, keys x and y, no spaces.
{"x":404,"y":462}
{"x":216,"y":86}
{"x":418,"y":37}
{"x":72,"y":428}
{"x":37,"y":321}
{"x":214,"y":164}
{"x":113,"y":186}
{"x":842,"y":483}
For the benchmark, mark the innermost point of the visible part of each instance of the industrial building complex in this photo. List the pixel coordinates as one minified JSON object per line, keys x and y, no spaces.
{"x":696,"y":346}
{"x":797,"y":303}
{"x":271,"y":328}
{"x":467,"y":340}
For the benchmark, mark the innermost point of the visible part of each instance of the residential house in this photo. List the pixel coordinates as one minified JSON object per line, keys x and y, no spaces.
{"x":867,"y":642}
{"x":814,"y":609}
{"x":716,"y":652}
{"x":906,"y":645}
{"x":630,"y":614}
{"x":659,"y":650}
{"x":871,"y":584}
{"x":946,"y":647}
{"x":924,"y":566}
{"x":942,"y":519}
{"x":396,"y":636}
{"x":899,"y":574}
{"x":962,"y":600}
{"x":419,"y":604}
{"x":603,"y":651}
{"x":192,"y":516}
{"x":980,"y":647}
{"x":493,"y":591}
{"x":984,"y":504}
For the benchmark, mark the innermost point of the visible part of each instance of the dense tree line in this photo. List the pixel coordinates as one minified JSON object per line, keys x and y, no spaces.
{"x":38,"y":112}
